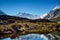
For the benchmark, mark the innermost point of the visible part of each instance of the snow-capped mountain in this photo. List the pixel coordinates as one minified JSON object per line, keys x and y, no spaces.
{"x":57,"y":7}
{"x":53,"y":13}
{"x":42,"y":16}
{"x":27,"y":15}
{"x":2,"y":13}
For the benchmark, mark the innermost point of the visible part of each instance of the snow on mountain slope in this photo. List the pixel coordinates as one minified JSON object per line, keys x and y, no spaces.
{"x":57,"y":7}
{"x":43,"y":15}
{"x":27,"y":15}
{"x":53,"y":13}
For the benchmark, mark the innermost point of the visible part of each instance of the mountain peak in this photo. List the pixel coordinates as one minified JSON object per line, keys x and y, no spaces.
{"x":2,"y":13}
{"x":53,"y":13}
{"x":27,"y":15}
{"x":23,"y":13}
{"x":57,"y":7}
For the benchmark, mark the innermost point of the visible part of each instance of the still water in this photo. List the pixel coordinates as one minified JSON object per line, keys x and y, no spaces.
{"x":33,"y":36}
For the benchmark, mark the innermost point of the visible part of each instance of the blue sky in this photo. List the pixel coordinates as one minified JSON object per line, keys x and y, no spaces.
{"x":35,"y":7}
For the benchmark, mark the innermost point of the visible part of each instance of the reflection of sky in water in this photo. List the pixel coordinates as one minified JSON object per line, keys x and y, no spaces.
{"x":30,"y":37}
{"x":7,"y":39}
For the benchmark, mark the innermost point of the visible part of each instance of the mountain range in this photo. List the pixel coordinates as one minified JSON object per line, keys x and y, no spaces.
{"x":27,"y":15}
{"x":53,"y":12}
{"x":53,"y":15}
{"x":21,"y":17}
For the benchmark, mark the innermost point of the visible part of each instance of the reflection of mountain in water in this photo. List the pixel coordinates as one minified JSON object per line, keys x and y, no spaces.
{"x":33,"y":37}
{"x":53,"y":37}
{"x":37,"y":37}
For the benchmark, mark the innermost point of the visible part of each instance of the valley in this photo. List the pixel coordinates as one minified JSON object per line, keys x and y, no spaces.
{"x":27,"y":23}
{"x":29,"y":27}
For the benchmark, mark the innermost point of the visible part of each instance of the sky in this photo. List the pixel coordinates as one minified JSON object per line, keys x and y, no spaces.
{"x":35,"y":7}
